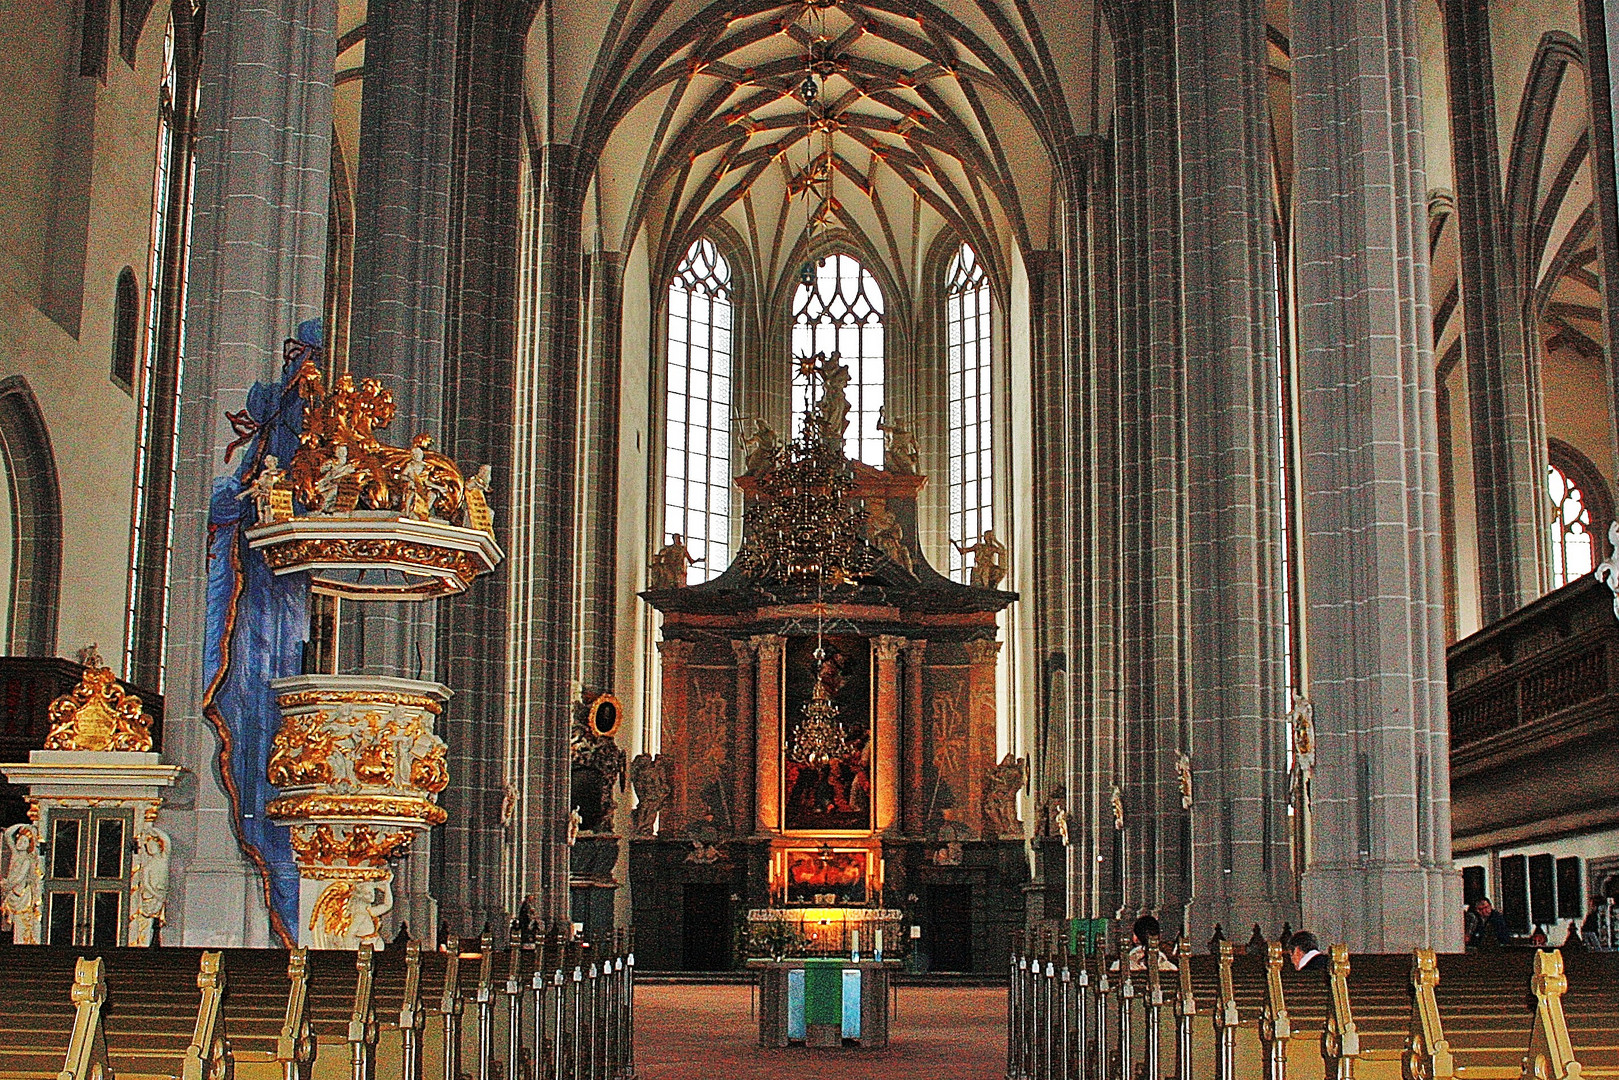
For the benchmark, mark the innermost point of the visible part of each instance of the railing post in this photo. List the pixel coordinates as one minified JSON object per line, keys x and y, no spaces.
{"x":1274,"y":1027}
{"x":559,"y":1024}
{"x":362,"y":1030}
{"x":1185,"y":1010}
{"x":1104,"y":990}
{"x":629,"y":1006}
{"x":577,"y":1018}
{"x":207,"y":1056}
{"x":514,"y":1009}
{"x":1082,"y":1021}
{"x":295,"y":1046}
{"x":87,"y":1050}
{"x":544,"y":960}
{"x":1155,"y":1007}
{"x":411,"y":1016}
{"x":485,"y":997}
{"x":1225,"y":1020}
{"x":450,"y":1006}
{"x":1551,"y":1054}
{"x":1340,"y":1042}
{"x":1065,"y":987}
{"x":1427,"y":1051}
{"x":1014,"y":1010}
{"x":1036,"y":1022}
{"x":1127,"y":999}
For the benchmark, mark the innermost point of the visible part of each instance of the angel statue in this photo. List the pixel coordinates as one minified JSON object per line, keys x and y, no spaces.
{"x":20,"y":888}
{"x":149,"y":886}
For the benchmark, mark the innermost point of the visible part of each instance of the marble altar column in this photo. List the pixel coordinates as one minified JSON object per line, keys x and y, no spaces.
{"x":916,"y":651}
{"x":767,"y":701}
{"x":676,"y":709}
{"x":981,"y":657}
{"x":886,"y":737}
{"x":744,"y":769}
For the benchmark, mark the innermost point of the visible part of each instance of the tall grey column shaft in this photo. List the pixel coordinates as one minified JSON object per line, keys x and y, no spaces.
{"x":1240,"y":868}
{"x":598,"y":477}
{"x":1504,"y":399}
{"x":401,"y":238}
{"x":257,"y":269}
{"x":1379,"y":877}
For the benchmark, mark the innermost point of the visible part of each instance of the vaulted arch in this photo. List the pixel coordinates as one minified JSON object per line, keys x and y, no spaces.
{"x":36,"y":522}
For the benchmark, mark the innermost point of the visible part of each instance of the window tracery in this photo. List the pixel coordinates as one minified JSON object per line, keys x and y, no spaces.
{"x":697,"y":446}
{"x":967,"y":371}
{"x":838,"y":307}
{"x":1579,"y":514}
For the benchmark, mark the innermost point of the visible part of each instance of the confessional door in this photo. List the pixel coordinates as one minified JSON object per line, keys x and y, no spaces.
{"x":87,"y":871}
{"x":950,"y":931}
{"x":707,"y":927}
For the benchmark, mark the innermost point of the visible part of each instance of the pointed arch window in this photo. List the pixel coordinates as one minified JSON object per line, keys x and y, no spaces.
{"x":1579,"y":515}
{"x":838,"y":307}
{"x":697,"y":446}
{"x":967,"y":370}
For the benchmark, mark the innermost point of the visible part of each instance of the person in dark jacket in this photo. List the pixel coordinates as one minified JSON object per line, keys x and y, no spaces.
{"x":1486,"y":927}
{"x":1307,"y":954}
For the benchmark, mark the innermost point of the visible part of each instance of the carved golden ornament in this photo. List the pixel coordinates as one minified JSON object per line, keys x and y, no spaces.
{"x":301,"y":752}
{"x":345,"y":549}
{"x":299,"y":698}
{"x":430,"y":772}
{"x":360,"y":846}
{"x":357,"y":806}
{"x":377,"y":762}
{"x":331,"y":912}
{"x":378,"y":476}
{"x":98,"y":715}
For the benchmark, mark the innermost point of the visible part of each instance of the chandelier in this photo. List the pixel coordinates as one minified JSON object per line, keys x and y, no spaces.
{"x":800,"y":533}
{"x":819,"y":738}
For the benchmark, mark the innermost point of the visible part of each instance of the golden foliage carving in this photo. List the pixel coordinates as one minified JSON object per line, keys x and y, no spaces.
{"x":301,"y":752}
{"x":97,"y":715}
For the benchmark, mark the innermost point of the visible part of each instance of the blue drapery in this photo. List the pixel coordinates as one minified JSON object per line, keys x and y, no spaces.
{"x":257,"y":625}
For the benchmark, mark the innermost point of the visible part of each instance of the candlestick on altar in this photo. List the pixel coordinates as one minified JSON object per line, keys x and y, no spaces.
{"x":854,"y":945}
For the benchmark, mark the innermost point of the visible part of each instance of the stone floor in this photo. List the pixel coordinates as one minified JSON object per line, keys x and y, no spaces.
{"x":696,"y":1032}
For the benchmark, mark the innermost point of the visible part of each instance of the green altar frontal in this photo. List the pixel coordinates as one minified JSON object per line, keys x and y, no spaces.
{"x":823,"y":1002}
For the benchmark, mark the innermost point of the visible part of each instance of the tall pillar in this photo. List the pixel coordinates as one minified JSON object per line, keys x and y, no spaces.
{"x":474,"y":856}
{"x":1379,"y":876}
{"x":1506,"y":415}
{"x":397,"y":327}
{"x":257,"y":270}
{"x":886,"y":736}
{"x":981,"y":655}
{"x":675,"y":656}
{"x":598,"y":475}
{"x":745,"y":771}
{"x":916,"y":651}
{"x":1237,"y":871}
{"x":767,"y":732}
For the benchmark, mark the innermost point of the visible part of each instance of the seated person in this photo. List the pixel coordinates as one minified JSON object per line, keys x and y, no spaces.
{"x":1486,"y":927}
{"x":1144,"y":928}
{"x":1306,"y":952}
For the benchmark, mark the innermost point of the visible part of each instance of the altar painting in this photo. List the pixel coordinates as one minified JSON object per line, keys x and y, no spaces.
{"x":831,"y":795}
{"x":827,"y":878}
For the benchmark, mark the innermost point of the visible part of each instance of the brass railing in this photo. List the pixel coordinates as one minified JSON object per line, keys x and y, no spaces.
{"x":568,"y":1015}
{"x":1073,"y":1017}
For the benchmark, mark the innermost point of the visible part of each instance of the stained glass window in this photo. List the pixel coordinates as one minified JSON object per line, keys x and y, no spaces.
{"x":967,"y":369}
{"x":697,"y":448}
{"x":839,"y":308}
{"x":1573,"y":552}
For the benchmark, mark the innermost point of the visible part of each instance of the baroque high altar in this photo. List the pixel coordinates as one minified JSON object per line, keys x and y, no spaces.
{"x":828,"y":722}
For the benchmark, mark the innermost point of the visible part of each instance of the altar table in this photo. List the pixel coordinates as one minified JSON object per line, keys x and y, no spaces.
{"x":823,"y":1002}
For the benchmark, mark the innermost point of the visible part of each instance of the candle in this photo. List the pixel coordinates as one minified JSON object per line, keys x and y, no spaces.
{"x":879,"y":953}
{"x":854,"y":944}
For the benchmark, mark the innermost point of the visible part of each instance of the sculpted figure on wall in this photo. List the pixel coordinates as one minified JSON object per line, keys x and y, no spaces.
{"x":1001,"y":789}
{"x":667,"y":568}
{"x":349,"y":914}
{"x":22,"y":883}
{"x":650,"y":777}
{"x":149,"y":885}
{"x":989,"y":560}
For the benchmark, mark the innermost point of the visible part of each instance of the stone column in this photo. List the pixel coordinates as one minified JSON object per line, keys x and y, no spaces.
{"x":675,"y":657}
{"x":1237,"y":870}
{"x":1506,"y":414}
{"x":1379,"y":877}
{"x":475,"y":850}
{"x":397,"y":327}
{"x":886,"y":736}
{"x":257,"y":270}
{"x":767,"y":732}
{"x":916,"y":651}
{"x":745,"y":768}
{"x":598,"y":476}
{"x":981,"y":656}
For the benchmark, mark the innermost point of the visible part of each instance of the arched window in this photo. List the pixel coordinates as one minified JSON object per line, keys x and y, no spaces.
{"x":839,"y":308}
{"x":126,"y":319}
{"x":697,"y":448}
{"x":967,"y":368}
{"x":1579,"y":516}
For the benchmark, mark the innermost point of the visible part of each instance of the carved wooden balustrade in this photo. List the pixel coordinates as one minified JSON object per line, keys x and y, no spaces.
{"x":563,"y":1011}
{"x":1078,"y":1017}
